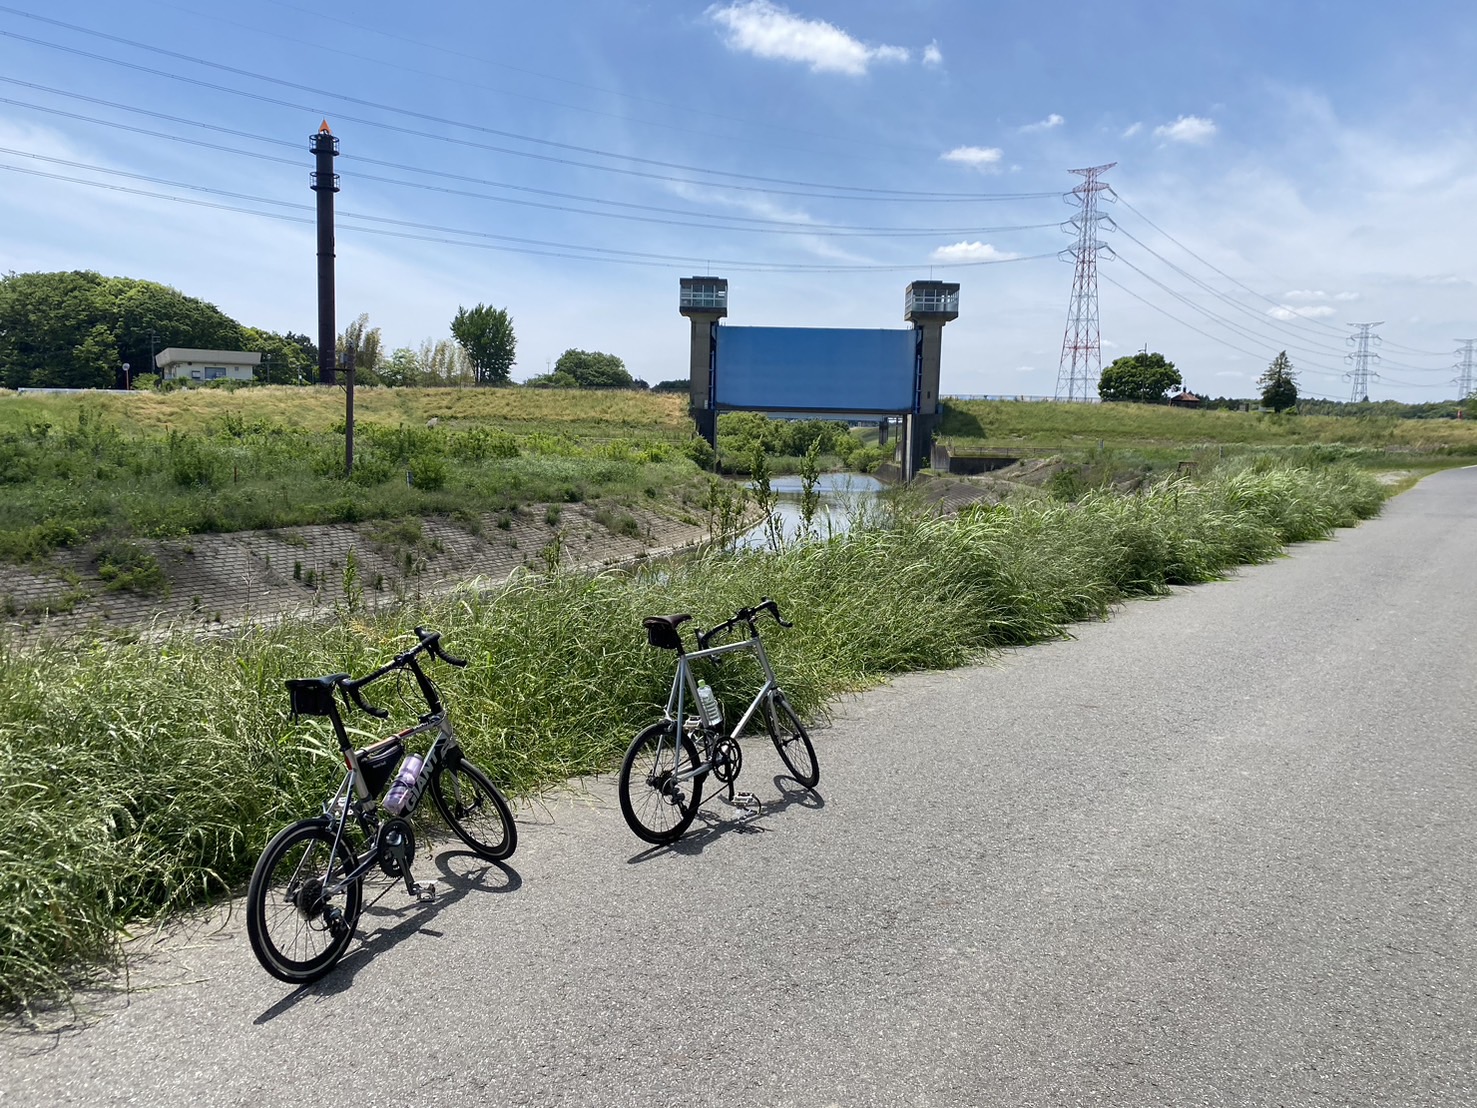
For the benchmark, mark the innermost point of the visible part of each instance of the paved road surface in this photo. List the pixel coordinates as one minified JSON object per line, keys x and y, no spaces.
{"x":1216,"y":851}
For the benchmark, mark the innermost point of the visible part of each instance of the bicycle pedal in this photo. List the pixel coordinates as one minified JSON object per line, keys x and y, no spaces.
{"x":425,"y":893}
{"x":747,"y":800}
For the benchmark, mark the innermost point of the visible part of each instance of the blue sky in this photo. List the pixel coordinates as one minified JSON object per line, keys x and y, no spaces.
{"x":1284,"y":170}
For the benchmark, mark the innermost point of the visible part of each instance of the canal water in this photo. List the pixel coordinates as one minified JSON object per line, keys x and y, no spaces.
{"x":844,"y":497}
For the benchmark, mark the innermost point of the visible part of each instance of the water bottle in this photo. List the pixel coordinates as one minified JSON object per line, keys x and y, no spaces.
{"x":410,"y":769}
{"x":708,"y":704}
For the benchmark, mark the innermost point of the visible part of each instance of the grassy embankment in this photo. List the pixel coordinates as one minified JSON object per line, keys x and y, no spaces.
{"x":144,"y":777}
{"x":116,"y":466}
{"x":1127,"y":437}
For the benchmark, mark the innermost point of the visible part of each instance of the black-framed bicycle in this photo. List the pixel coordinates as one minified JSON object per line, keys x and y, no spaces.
{"x":307,"y":890}
{"x":663,"y":775}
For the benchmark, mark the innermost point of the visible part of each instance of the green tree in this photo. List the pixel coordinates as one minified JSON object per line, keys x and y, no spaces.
{"x":1143,"y":378}
{"x":148,"y":317}
{"x":443,"y":363}
{"x":1279,"y":384}
{"x":486,"y":335}
{"x":285,"y":361}
{"x":55,"y":328}
{"x":594,"y":370}
{"x":403,"y":368}
{"x":368,"y":348}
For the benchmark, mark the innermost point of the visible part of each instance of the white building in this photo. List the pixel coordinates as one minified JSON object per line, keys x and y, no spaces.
{"x":180,"y":364}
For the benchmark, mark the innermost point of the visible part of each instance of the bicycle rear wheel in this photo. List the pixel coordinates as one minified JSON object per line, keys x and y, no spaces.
{"x":297,"y":927}
{"x":475,"y":810}
{"x":656,"y":806}
{"x":790,"y":739}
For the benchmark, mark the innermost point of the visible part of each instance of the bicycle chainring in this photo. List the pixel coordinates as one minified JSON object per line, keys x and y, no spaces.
{"x":395,"y":846}
{"x":728,"y":760}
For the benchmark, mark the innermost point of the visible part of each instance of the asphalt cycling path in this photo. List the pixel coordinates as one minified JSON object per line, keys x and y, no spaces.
{"x":1218,"y":850}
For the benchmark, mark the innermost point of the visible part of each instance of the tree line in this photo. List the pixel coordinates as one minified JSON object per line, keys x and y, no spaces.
{"x":79,"y":329}
{"x":1147,"y":378}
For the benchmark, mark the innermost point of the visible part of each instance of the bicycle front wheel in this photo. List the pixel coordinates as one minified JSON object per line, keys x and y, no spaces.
{"x":790,"y":739}
{"x":657,"y":806}
{"x":298,"y":924}
{"x":475,"y":810}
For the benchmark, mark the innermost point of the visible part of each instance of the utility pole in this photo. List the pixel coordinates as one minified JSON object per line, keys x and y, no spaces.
{"x":1082,"y":353}
{"x":1360,"y":360}
{"x":1467,"y":368}
{"x":350,"y":356}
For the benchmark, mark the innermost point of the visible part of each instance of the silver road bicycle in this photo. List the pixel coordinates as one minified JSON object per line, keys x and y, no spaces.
{"x":668,"y":764}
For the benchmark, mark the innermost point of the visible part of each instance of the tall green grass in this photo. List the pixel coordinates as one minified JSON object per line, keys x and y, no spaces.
{"x":143,"y":777}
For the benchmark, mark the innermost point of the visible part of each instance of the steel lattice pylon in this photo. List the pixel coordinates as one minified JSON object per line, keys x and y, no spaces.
{"x":1361,"y":359}
{"x":1082,"y":355}
{"x":1467,"y":381}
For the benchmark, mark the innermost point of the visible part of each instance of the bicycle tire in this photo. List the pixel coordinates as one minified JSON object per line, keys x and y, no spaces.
{"x":286,"y":916}
{"x":792,"y":741}
{"x":474,"y":808}
{"x":648,"y":796}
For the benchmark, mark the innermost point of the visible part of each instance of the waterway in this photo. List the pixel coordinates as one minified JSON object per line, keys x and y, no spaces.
{"x":844,"y":498}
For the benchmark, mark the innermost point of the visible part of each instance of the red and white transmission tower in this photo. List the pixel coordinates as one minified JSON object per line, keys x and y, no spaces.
{"x":1082,"y":353}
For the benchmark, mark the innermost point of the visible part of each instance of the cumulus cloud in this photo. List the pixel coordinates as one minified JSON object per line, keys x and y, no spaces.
{"x":980,"y":157}
{"x":1305,"y":294}
{"x":932,"y":55}
{"x":1187,"y":128}
{"x":971,"y":252}
{"x":1132,"y":129}
{"x":1318,"y":311}
{"x":1347,"y":296}
{"x":1053,"y":120}
{"x":768,"y":30}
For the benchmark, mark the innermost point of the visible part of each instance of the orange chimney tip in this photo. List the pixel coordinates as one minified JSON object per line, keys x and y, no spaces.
{"x":323,"y":130}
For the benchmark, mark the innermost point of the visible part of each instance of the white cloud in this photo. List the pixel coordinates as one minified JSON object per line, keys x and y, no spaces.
{"x":932,"y":55}
{"x":981,"y":157}
{"x":971,"y":252}
{"x":1132,"y":129}
{"x":1053,"y":120}
{"x":1321,"y":311}
{"x":1187,"y":128}
{"x":768,"y":30}
{"x":1305,"y":294}
{"x":1347,"y":296}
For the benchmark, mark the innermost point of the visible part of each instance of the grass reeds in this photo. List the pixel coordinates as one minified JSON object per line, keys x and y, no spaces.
{"x":143,"y":777}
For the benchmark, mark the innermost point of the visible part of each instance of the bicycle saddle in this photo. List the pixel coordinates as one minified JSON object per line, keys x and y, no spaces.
{"x":661,"y":631}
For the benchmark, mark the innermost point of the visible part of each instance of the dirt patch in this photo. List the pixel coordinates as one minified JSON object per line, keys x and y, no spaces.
{"x":213,"y":581}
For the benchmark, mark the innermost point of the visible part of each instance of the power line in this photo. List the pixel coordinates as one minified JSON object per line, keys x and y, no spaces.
{"x":1248,"y":288}
{"x":1260,"y":317}
{"x":1230,"y":325}
{"x":846,"y":191}
{"x":686,"y":109}
{"x":554,"y":249}
{"x":764,"y":226}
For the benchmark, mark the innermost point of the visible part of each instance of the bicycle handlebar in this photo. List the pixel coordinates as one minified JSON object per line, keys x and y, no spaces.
{"x":743,"y":615}
{"x":430,"y":643}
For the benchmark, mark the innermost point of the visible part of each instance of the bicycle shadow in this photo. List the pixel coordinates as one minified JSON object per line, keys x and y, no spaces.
{"x":470,"y":874}
{"x":710,"y":825}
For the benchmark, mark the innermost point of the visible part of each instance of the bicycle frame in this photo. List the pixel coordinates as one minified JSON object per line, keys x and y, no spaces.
{"x":683,"y":684}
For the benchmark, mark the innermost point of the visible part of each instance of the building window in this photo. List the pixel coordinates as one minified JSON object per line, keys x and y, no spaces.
{"x":215,"y":372}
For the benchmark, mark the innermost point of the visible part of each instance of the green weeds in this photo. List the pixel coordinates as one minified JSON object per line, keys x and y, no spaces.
{"x":143,"y":777}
